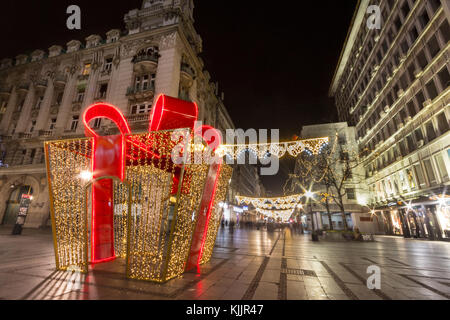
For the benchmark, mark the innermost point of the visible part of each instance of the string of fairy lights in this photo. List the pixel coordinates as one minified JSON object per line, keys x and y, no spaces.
{"x":284,"y":215}
{"x":279,"y":149}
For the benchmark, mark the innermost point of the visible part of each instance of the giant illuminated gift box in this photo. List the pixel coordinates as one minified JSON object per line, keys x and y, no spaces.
{"x":124,"y":196}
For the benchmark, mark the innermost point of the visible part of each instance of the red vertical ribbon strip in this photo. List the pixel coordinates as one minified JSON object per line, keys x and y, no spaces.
{"x":108,"y":160}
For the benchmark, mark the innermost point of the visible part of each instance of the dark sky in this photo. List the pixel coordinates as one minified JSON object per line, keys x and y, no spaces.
{"x":273,"y":60}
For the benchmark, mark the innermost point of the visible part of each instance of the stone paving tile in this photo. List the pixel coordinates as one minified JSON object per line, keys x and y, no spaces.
{"x":29,"y":270}
{"x":362,"y":292}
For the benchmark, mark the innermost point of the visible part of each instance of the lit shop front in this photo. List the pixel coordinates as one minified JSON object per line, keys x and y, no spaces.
{"x":428,"y":219}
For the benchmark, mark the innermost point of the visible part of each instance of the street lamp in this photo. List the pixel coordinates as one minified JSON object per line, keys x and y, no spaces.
{"x":310,"y":195}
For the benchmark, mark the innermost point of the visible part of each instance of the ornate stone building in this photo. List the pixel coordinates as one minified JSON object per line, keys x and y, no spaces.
{"x":42,"y":96}
{"x":392,"y":84}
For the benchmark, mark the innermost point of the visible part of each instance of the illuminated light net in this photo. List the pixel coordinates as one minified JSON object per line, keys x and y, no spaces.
{"x":154,"y":219}
{"x":279,"y":150}
{"x":284,"y":215}
{"x":288,"y":202}
{"x":217,"y":212}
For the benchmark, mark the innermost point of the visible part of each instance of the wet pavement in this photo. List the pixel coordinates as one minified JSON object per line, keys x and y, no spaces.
{"x":247,"y":264}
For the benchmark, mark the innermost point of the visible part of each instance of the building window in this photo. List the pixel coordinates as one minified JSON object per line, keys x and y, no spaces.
{"x":420,"y":98}
{"x":87,"y":69}
{"x":97,"y":123}
{"x":431,"y":89}
{"x":32,"y":155}
{"x":434,"y":4}
{"x":431,"y":133}
{"x":419,"y":174}
{"x":102,"y":90}
{"x":410,"y":142}
{"x":444,"y":78}
{"x":39,"y":102}
{"x":80,"y":95}
{"x":418,"y":134}
{"x":441,"y":167}
{"x":424,"y":19}
{"x":430,"y":172}
{"x":52,"y":125}
{"x":141,"y":108}
{"x":59,"y":97}
{"x":410,"y":176}
{"x":442,"y":122}
{"x":445,"y":31}
{"x":422,"y":60}
{"x":402,"y":147}
{"x":398,"y":23}
{"x":411,"y":109}
{"x":433,"y":47}
{"x":12,"y":128}
{"x":405,"y":9}
{"x":20,"y":105}
{"x":32,"y":125}
{"x":108,"y":64}
{"x":351,"y":194}
{"x":413,"y":34}
{"x":74,"y":123}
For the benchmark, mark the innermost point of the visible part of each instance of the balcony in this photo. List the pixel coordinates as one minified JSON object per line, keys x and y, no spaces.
{"x":54,"y":109}
{"x":146,"y":62}
{"x":25,"y":135}
{"x":41,"y":84}
{"x":23,"y":87}
{"x":134,"y":93}
{"x":83,"y":77}
{"x":105,"y":72}
{"x":76,"y":106}
{"x":6,"y":138}
{"x":136,"y":118}
{"x":60,"y":80}
{"x":5,"y":91}
{"x":100,"y":98}
{"x":45,"y":133}
{"x":187,"y":74}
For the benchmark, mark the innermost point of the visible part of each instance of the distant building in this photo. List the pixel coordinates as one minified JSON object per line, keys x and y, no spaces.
{"x":392,"y":84}
{"x":343,"y":142}
{"x":42,"y":96}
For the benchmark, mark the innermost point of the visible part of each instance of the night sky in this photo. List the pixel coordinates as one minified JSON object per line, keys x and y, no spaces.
{"x":274,"y":60}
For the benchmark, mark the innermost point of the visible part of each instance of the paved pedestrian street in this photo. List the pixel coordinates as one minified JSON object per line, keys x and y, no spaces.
{"x":247,"y":264}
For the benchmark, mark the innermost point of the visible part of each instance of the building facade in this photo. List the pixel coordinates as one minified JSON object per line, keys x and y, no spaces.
{"x":43,"y":96}
{"x":392,"y":84}
{"x":342,"y":142}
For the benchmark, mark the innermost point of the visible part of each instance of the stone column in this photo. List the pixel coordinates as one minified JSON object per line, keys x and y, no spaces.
{"x":446,"y":6}
{"x":169,"y":64}
{"x":89,"y":95}
{"x":26,"y":110}
{"x":42,"y":119}
{"x":6,"y":120}
{"x":65,"y":109}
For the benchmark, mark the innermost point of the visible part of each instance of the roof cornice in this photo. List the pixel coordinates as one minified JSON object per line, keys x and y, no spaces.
{"x":357,"y":19}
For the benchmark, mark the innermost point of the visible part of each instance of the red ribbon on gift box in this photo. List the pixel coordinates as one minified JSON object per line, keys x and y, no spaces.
{"x":109,"y":160}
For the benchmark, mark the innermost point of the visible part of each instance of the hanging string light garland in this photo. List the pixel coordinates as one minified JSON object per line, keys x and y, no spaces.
{"x":293,"y":148}
{"x":283,"y":214}
{"x":287,"y":202}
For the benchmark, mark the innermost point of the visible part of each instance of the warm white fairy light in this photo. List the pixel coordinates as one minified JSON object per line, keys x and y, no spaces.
{"x":293,"y":148}
{"x":284,"y":215}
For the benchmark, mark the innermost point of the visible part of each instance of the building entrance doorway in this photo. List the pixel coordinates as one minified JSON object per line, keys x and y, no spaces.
{"x":13,"y":203}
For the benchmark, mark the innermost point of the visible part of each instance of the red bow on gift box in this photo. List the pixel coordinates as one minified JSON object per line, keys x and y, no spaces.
{"x":109,"y":160}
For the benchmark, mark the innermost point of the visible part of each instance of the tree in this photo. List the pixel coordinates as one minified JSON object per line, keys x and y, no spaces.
{"x":332,"y":169}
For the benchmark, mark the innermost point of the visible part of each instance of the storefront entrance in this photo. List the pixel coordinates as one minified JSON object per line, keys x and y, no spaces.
{"x":12,"y":204}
